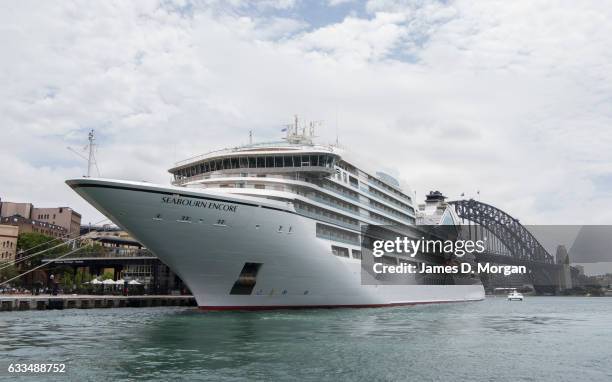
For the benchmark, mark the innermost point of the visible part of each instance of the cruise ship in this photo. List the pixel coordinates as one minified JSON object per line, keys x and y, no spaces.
{"x":272,"y":225}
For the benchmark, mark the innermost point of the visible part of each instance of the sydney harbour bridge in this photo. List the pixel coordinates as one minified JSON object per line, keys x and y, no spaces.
{"x":508,"y":242}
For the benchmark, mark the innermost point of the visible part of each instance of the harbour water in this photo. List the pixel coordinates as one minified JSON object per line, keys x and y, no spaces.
{"x":539,"y":339}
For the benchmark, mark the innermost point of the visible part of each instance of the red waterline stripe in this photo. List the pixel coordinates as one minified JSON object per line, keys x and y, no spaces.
{"x":279,"y":307}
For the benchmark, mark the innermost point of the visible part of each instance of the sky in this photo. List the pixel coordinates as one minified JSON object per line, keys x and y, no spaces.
{"x":509,"y":98}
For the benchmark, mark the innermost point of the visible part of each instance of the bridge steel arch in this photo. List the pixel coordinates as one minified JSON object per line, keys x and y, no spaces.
{"x":523,"y":246}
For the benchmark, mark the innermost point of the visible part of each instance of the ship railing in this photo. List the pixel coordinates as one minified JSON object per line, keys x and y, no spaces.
{"x":327,"y":203}
{"x":346,"y":195}
{"x":402,"y":197}
{"x":397,"y":215}
{"x":201,"y":156}
{"x":338,"y":239}
{"x":271,"y":144}
{"x":382,"y":199}
{"x":405,"y":219}
{"x":252,"y":176}
{"x":326,"y":219}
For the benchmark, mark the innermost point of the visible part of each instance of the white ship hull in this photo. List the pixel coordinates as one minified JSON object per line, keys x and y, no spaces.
{"x":298,"y":269}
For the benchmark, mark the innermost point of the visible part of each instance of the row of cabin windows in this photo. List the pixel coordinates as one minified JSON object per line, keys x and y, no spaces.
{"x":389,"y":199}
{"x":388,"y":210}
{"x":386,"y":221}
{"x":325,"y":213}
{"x":277,"y":161}
{"x":346,"y":167}
{"x":340,"y":189}
{"x":333,"y":233}
{"x":343,"y":176}
{"x":385,"y":259}
{"x":344,"y":252}
{"x":345,"y":219}
{"x":336,"y":202}
{"x":388,"y":188}
{"x":325,"y":199}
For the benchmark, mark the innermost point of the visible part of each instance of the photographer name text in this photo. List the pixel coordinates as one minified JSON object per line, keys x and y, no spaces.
{"x":466,"y":268}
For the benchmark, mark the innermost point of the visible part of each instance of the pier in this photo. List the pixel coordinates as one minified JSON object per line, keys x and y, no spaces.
{"x":29,"y":302}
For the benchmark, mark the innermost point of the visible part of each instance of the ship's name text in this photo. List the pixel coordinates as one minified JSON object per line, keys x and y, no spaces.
{"x":199,"y":204}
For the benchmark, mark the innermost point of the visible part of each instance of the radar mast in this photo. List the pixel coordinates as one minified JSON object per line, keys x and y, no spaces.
{"x":301,"y":134}
{"x":91,"y":157}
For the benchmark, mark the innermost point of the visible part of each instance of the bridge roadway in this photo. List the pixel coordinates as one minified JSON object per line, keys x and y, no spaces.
{"x":488,"y":257}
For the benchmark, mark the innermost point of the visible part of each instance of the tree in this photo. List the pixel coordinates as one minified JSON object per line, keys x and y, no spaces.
{"x":96,"y":249}
{"x":107,"y":275}
{"x":32,"y":243}
{"x":35,"y":242}
{"x":8,"y":272}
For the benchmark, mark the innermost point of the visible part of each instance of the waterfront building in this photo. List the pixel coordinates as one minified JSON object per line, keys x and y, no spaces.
{"x":28,"y":225}
{"x":120,"y":254}
{"x":10,"y":208}
{"x":8,"y":242}
{"x":435,"y":210}
{"x":64,"y":217}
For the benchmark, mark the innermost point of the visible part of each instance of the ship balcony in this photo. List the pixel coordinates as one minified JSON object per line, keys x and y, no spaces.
{"x":326,"y":219}
{"x":332,"y":237}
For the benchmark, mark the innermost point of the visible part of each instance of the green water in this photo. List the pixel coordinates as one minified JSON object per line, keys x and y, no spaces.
{"x":539,"y":339}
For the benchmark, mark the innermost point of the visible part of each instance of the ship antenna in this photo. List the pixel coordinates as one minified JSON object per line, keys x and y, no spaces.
{"x":336,"y":127}
{"x":250,"y":137}
{"x":91,"y":158}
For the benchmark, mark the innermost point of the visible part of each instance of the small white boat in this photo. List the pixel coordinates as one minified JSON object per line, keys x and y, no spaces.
{"x":515,"y":296}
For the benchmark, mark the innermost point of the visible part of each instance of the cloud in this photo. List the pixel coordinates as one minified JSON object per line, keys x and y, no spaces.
{"x":458,"y":96}
{"x":334,"y":3}
{"x":355,"y":39}
{"x":275,"y":4}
